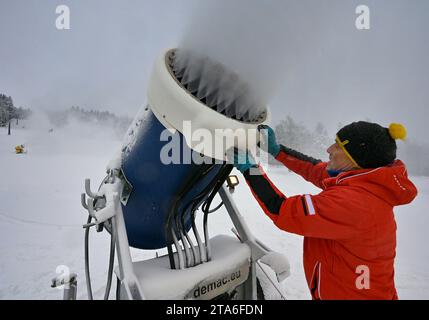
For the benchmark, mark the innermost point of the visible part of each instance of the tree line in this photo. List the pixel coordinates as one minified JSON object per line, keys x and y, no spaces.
{"x":102,"y":119}
{"x":314,"y":142}
{"x":8,"y":112}
{"x":297,"y":136}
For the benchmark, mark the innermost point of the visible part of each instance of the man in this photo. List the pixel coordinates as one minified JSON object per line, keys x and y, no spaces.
{"x":349,"y":228}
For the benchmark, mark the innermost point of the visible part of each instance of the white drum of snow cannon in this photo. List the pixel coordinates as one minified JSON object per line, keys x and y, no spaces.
{"x":207,"y":103}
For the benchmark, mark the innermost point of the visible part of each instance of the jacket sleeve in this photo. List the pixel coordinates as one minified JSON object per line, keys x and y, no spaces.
{"x":328,"y":215}
{"x":310,"y":169}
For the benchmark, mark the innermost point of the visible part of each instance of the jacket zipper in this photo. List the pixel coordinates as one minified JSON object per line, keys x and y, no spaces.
{"x":315,"y":281}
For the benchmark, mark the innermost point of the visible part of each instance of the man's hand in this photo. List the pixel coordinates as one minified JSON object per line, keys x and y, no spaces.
{"x":241,"y":159}
{"x":269,"y":137}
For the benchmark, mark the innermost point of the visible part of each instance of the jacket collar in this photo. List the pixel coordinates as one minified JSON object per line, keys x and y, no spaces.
{"x":341,"y":175}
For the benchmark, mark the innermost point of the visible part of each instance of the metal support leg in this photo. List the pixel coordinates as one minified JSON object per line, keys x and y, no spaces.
{"x":113,"y":210}
{"x":257,"y":251}
{"x":125,"y":264}
{"x":69,"y":281}
{"x":246,"y":236}
{"x":70,"y":292}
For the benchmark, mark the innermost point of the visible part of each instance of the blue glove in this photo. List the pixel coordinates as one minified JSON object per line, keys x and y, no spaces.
{"x":241,"y":159}
{"x":270,"y":139}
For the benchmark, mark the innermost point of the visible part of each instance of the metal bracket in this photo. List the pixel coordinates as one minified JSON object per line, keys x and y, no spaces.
{"x":70,"y":285}
{"x":127,"y":189}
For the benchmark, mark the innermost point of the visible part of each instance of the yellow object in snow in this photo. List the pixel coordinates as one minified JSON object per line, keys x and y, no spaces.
{"x":19,"y":149}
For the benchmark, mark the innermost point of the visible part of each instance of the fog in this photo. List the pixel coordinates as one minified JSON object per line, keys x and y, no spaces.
{"x":305,"y":58}
{"x":237,"y":34}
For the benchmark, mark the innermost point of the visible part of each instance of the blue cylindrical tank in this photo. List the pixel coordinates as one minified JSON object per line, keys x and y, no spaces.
{"x":156,"y":186}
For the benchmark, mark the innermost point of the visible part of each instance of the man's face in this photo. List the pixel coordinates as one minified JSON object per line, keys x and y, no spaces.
{"x":338,"y":160}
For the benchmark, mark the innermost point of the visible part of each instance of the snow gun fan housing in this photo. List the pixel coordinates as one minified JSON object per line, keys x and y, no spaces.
{"x":215,"y":86}
{"x":186,"y":93}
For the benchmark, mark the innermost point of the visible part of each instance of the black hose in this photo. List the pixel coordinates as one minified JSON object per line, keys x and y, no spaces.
{"x":216,"y":208}
{"x":219,"y":179}
{"x":194,"y":202}
{"x":180,"y":233}
{"x":87,"y":273}
{"x":173,"y":212}
{"x":215,"y":186}
{"x":195,"y":230}
{"x":113,"y":235}
{"x":206,"y":206}
{"x":111,"y":260}
{"x":188,"y":239}
{"x":118,"y":289}
{"x":219,"y":182}
{"x":184,"y":236}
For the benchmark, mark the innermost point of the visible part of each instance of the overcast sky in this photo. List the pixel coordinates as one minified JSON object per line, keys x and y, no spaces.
{"x":308,"y":55}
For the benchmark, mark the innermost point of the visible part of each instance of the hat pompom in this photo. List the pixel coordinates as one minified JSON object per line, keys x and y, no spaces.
{"x":397,"y":131}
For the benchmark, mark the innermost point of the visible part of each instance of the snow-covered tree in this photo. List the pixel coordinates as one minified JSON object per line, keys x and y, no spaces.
{"x":96,"y":117}
{"x":298,"y":137}
{"x":9,"y":112}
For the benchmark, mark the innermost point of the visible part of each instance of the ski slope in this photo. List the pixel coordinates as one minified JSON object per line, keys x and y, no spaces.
{"x":41,"y":217}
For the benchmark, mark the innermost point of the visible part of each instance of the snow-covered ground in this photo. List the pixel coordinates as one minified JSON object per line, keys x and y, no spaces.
{"x":41,"y":217}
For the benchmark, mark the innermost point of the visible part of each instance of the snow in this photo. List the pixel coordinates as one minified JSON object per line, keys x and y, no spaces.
{"x":41,"y":216}
{"x":229,"y":254}
{"x":268,"y":281}
{"x":137,"y":128}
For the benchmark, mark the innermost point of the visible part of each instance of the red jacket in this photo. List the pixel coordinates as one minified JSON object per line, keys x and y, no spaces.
{"x":349,"y":227}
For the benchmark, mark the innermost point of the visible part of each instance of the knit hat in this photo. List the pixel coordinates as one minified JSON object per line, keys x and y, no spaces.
{"x":369,"y":145}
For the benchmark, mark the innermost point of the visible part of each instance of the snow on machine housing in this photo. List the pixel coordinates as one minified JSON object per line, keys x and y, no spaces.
{"x":148,"y":204}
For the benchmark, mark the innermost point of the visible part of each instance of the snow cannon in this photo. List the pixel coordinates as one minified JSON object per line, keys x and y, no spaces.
{"x":19,"y":149}
{"x":174,"y":154}
{"x":172,"y":164}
